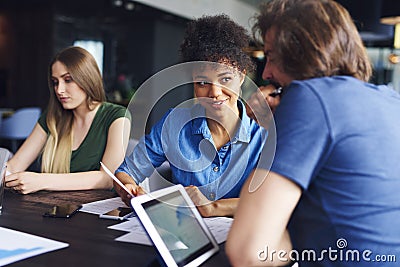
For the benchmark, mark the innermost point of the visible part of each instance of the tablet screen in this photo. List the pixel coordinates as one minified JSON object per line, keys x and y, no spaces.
{"x":178,"y":227}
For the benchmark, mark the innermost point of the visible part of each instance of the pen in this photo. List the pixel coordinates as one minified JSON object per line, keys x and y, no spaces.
{"x":115,"y":178}
{"x":276,"y":92}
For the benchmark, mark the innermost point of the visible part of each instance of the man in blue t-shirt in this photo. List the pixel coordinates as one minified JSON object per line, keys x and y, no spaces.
{"x":346,"y":165}
{"x":330,"y":197}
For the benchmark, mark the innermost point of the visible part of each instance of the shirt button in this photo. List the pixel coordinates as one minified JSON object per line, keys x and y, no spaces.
{"x":215,"y":169}
{"x":225,"y":147}
{"x":212,"y":196}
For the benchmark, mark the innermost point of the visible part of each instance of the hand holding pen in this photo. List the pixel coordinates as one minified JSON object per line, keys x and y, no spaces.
{"x":276,"y":92}
{"x":125,"y":191}
{"x":262,"y":103}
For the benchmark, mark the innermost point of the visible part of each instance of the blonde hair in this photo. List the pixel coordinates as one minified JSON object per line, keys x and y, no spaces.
{"x":82,"y":67}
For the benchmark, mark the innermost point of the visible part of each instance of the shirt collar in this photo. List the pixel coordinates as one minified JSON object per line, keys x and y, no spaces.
{"x":199,"y":123}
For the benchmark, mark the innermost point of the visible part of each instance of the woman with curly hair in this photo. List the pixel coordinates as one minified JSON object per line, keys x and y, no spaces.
{"x":77,"y":131}
{"x":218,"y":144}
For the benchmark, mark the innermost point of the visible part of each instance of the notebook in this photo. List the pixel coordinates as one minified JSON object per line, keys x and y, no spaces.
{"x":175,"y":227}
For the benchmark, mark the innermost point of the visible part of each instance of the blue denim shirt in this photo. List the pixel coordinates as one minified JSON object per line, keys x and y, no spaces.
{"x":182,"y":138}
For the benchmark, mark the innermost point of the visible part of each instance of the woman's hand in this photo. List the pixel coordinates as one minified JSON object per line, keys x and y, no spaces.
{"x":203,"y":204}
{"x":25,"y":182}
{"x":134,"y":189}
{"x":261,"y":103}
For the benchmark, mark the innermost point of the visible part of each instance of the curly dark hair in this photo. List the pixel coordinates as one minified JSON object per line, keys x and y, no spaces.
{"x":217,"y":39}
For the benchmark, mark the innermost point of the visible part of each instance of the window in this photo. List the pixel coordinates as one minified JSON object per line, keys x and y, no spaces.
{"x":96,"y":48}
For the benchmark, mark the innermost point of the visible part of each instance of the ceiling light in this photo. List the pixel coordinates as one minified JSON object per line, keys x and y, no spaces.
{"x":129,"y":6}
{"x":117,"y":3}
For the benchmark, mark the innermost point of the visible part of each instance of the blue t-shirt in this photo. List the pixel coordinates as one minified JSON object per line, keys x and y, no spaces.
{"x":182,"y":138}
{"x":338,"y":138}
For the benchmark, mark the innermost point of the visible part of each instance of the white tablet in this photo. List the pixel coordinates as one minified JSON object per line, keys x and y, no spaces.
{"x":175,"y":226}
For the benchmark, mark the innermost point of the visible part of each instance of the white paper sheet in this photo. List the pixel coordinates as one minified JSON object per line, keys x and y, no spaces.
{"x":136,"y":233}
{"x":219,"y":227}
{"x":103,"y":206}
{"x":15,"y":245}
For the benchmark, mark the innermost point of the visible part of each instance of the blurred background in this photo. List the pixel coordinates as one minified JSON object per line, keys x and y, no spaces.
{"x":132,"y":40}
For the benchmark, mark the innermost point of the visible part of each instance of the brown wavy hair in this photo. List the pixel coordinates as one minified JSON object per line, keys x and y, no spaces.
{"x":314,"y":38}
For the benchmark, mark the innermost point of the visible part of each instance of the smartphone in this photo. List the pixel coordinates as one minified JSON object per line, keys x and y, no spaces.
{"x":62,"y":211}
{"x":120,"y":213}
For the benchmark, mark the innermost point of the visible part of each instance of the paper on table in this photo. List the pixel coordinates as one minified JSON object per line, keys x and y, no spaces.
{"x":103,"y":206}
{"x":132,"y":225}
{"x":21,"y":245}
{"x":219,"y":227}
{"x":136,"y":234}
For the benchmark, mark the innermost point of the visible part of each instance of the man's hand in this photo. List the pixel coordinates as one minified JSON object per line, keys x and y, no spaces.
{"x":260,"y":105}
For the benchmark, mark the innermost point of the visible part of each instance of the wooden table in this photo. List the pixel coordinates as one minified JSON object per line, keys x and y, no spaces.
{"x":90,"y":242}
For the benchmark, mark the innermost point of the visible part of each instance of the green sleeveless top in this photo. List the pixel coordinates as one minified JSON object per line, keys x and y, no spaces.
{"x":88,"y":155}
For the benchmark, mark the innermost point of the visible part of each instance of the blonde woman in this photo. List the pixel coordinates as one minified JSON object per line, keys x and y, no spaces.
{"x":77,"y":131}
